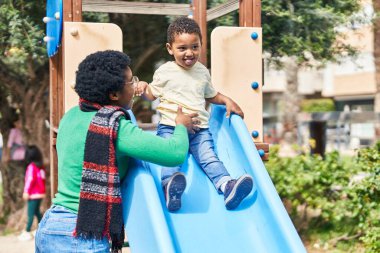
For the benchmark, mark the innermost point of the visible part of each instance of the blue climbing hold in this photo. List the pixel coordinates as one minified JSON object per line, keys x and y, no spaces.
{"x":254,"y":35}
{"x":261,"y":152}
{"x":255,"y":134}
{"x":255,"y":85}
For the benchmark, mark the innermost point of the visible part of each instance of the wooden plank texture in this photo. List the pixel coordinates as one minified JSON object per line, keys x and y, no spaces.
{"x":199,"y":13}
{"x":222,"y":9}
{"x":136,"y":7}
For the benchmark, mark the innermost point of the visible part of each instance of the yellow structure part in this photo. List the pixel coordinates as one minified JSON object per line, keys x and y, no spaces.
{"x":81,"y":39}
{"x":236,"y":62}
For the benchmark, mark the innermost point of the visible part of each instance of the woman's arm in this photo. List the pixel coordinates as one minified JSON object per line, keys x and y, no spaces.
{"x":134,"y":142}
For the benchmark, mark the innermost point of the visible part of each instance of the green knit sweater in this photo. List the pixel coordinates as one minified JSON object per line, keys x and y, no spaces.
{"x":131,"y":142}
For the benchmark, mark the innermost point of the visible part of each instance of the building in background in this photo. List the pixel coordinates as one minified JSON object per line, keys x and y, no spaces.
{"x":350,"y":84}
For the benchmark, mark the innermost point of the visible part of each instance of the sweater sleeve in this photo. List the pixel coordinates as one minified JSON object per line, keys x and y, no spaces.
{"x":134,"y":142}
{"x":29,"y":177}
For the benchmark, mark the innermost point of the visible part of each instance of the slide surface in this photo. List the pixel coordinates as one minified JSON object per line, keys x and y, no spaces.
{"x":203,"y":225}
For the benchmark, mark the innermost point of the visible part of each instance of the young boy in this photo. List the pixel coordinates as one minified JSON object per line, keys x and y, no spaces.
{"x":186,"y":82}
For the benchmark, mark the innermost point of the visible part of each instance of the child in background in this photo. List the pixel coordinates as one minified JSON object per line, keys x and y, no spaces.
{"x":34,"y":189}
{"x":186,"y":82}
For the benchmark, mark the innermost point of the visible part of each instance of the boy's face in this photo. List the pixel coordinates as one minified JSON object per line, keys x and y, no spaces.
{"x":185,"y":48}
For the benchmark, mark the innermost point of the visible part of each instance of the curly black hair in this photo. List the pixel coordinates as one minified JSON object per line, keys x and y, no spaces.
{"x":183,"y":25}
{"x":100,"y":74}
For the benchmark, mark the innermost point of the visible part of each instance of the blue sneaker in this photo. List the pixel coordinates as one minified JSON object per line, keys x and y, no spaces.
{"x":237,"y":190}
{"x":173,"y":191}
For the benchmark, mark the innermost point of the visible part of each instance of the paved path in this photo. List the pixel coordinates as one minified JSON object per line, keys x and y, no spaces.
{"x":10,"y":244}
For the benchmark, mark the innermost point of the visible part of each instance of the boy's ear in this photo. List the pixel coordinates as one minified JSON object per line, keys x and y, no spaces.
{"x":114,"y":96}
{"x":169,"y":48}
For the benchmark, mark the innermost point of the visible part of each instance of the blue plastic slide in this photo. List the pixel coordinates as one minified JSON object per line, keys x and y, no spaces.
{"x":203,"y":225}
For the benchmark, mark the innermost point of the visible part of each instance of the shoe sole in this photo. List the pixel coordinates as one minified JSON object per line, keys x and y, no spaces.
{"x":175,"y":188}
{"x":241,"y":190}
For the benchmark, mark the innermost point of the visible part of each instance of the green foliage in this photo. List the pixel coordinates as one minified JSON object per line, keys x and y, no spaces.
{"x":306,"y":29}
{"x":318,"y":105}
{"x":21,"y":34}
{"x":345,"y":194}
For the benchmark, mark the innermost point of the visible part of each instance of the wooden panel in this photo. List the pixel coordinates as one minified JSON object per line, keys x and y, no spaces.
{"x":136,"y":7}
{"x":54,"y":119}
{"x":250,"y":13}
{"x":77,"y":10}
{"x":200,"y":7}
{"x":222,"y":9}
{"x":89,"y":38}
{"x":265,"y":157}
{"x":56,"y":99}
{"x":235,"y":64}
{"x":263,"y":146}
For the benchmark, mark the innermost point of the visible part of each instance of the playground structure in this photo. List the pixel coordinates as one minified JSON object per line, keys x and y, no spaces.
{"x":261,"y":224}
{"x":61,"y":13}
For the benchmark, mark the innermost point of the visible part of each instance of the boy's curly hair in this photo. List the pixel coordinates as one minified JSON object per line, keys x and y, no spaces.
{"x":101,"y":73}
{"x":182,"y":25}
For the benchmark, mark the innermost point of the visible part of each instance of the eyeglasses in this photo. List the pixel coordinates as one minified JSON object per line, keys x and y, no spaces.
{"x":134,"y":81}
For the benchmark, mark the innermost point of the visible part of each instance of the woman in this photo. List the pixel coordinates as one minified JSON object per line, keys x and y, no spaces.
{"x":94,"y":143}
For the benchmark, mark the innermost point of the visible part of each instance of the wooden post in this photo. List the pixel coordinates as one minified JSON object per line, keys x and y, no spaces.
{"x":250,"y":16}
{"x":250,"y":13}
{"x":200,"y":16}
{"x":72,"y":11}
{"x":77,"y":10}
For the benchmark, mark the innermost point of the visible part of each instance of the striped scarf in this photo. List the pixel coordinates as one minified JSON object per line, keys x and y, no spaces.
{"x":100,"y":209}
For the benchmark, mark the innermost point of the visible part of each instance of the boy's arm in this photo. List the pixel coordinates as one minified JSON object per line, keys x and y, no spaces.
{"x":231,"y":106}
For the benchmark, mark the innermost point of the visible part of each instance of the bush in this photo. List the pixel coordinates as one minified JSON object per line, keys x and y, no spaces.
{"x":346,"y":193}
{"x":318,"y":105}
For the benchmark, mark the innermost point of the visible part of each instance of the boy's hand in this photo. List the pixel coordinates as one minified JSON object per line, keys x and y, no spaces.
{"x":232,"y":107}
{"x":140,"y":88}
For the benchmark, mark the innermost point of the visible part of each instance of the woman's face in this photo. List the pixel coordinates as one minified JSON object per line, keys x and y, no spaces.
{"x":125,"y":96}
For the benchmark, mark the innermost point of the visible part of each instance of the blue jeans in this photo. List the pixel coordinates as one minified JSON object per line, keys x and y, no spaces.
{"x":55,"y":234}
{"x":202,"y":149}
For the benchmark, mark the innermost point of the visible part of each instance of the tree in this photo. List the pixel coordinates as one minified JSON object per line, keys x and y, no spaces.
{"x":376,"y":5}
{"x":304,"y":34}
{"x":24,"y":80}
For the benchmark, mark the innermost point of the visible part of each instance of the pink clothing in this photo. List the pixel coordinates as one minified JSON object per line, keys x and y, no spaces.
{"x":16,"y":145}
{"x":35,"y":181}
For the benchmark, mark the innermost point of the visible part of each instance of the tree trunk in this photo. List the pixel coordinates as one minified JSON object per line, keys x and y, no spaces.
{"x":12,"y":174}
{"x":291,"y":101}
{"x":376,"y":5}
{"x":33,"y":110}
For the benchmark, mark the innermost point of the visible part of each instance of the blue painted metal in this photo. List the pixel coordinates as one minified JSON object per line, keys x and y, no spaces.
{"x":254,"y":35}
{"x":261,"y":152}
{"x":255,"y":85}
{"x":53,"y":26}
{"x":255,"y":134}
{"x":203,"y":225}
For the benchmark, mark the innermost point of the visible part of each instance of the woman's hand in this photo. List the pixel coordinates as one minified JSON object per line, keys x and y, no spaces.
{"x":189,"y":121}
{"x":140,"y":88}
